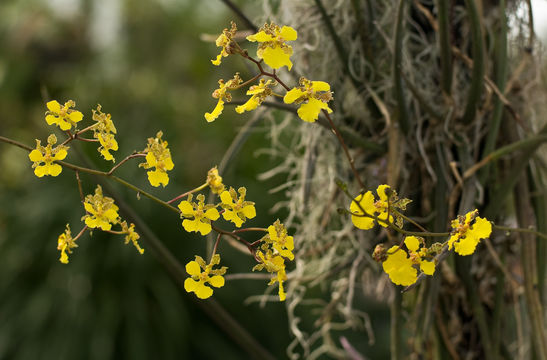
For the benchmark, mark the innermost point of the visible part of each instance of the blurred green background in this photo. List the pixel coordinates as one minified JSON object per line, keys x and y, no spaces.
{"x":145,"y":63}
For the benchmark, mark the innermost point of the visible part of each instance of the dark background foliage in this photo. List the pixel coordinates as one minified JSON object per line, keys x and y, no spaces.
{"x":145,"y":63}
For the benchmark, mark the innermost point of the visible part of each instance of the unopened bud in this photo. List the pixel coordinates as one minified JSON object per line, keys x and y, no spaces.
{"x":380,"y":253}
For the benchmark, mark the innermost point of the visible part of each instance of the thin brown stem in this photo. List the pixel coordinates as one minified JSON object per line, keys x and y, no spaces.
{"x":96,"y":172}
{"x":144,"y":193}
{"x":395,"y":227}
{"x":84,"y":130}
{"x":333,"y":127}
{"x":251,"y":80}
{"x":88,"y":140}
{"x":346,"y":151}
{"x":234,"y":236}
{"x":80,"y":186}
{"x":80,"y":233}
{"x":529,"y":231}
{"x":410,"y":220}
{"x":114,"y":232}
{"x":132,"y":156}
{"x":278,"y":80}
{"x":273,"y":74}
{"x":215,"y":247}
{"x":201,"y":187}
{"x":249,"y":229}
{"x":254,"y":243}
{"x":16,"y":143}
{"x":76,"y":135}
{"x":257,"y":62}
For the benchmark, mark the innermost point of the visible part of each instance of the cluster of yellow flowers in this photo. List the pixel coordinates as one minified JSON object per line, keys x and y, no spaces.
{"x":272,"y":48}
{"x":43,"y":158}
{"x":156,"y":152}
{"x":101,"y":213}
{"x":198,"y":217}
{"x":276,"y":247}
{"x":236,"y":209}
{"x":258,"y":94}
{"x":402,"y":262}
{"x":312,"y":96}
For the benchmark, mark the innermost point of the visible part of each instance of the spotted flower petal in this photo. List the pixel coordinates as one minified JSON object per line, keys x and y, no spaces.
{"x":467,"y":232}
{"x":63,"y":116}
{"x":202,"y":274}
{"x":102,"y":212}
{"x":237,"y":209}
{"x":43,"y":157}
{"x":198,"y":216}
{"x":313,"y":96}
{"x":158,"y":156}
{"x":272,"y":45}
